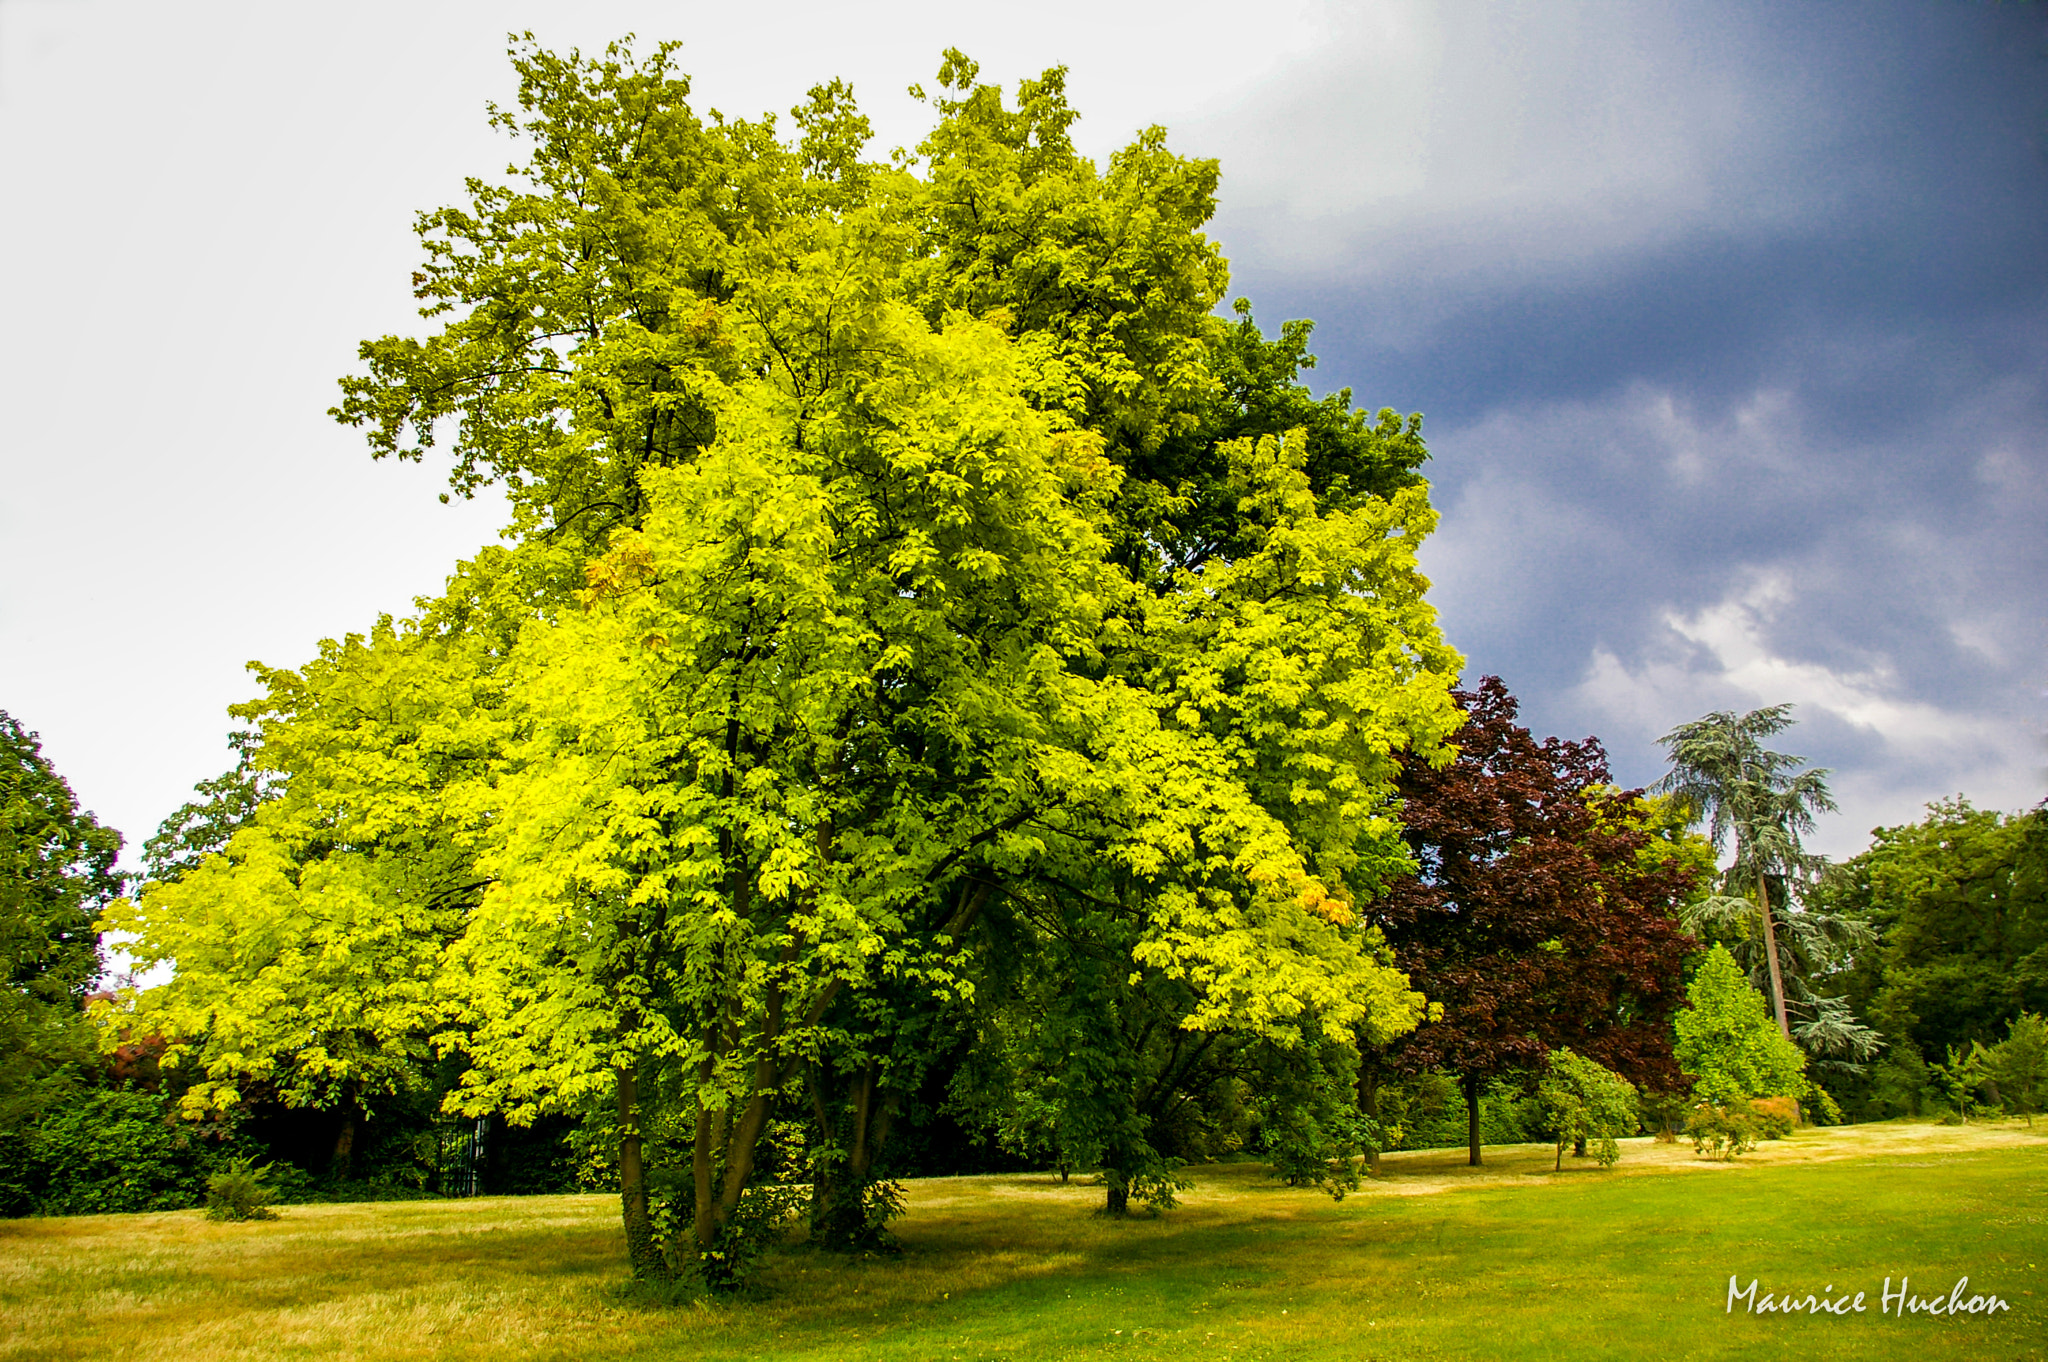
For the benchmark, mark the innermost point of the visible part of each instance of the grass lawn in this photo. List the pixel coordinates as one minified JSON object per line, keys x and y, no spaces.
{"x":1431,"y":1260}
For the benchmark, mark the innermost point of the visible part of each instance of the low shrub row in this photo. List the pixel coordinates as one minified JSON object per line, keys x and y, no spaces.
{"x":109,"y":1149}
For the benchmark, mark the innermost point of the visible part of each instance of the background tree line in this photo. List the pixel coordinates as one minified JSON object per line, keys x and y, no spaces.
{"x":1956,"y":911}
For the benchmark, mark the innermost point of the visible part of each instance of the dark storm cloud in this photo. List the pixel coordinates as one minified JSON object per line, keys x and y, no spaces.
{"x":1731,"y":327}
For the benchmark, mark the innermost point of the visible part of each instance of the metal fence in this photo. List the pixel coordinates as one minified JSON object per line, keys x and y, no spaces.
{"x":460,"y":1161}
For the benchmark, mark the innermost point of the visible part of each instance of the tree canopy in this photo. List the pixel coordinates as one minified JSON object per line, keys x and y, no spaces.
{"x":1586,"y":1103}
{"x":1727,"y":1041}
{"x":1536,"y":920}
{"x":57,"y":868}
{"x":57,"y":871}
{"x":1955,"y":910}
{"x":904,"y":561}
{"x":1762,"y":801}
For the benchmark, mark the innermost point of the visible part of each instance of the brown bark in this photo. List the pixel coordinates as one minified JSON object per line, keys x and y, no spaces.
{"x":839,"y":1211}
{"x":702,"y":1156}
{"x":1472,"y":1120}
{"x":1763,"y":895}
{"x":863,"y":1100}
{"x":1369,"y":1104}
{"x":723,"y":1155}
{"x":345,"y":1147}
{"x":641,"y":1252}
{"x":824,"y":1186}
{"x":739,"y":1156}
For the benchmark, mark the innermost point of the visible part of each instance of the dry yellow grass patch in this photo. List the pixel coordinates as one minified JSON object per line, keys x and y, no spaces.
{"x":409,"y":1279}
{"x":1416,"y":1171}
{"x":1430,"y":1259}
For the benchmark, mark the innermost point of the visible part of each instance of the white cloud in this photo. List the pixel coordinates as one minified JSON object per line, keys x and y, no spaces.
{"x":1724,"y":657}
{"x":1732,"y":634}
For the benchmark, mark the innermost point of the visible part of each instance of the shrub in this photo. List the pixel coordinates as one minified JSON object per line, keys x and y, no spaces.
{"x":107,"y":1150}
{"x":1583,"y":1101}
{"x":1776,"y":1117}
{"x":764,"y":1212}
{"x":239,"y":1192}
{"x":1722,"y":1130}
{"x":1429,"y":1111}
{"x":1900,"y":1083}
{"x":1306,"y":1120}
{"x":2018,"y":1065}
{"x":1663,"y":1114}
{"x":1962,"y":1081}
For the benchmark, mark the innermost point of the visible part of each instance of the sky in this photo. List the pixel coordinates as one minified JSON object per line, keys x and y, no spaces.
{"x":1728,"y":321}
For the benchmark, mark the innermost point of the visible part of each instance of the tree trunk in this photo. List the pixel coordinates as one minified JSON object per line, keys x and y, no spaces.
{"x":724,"y":1146}
{"x":1369,"y":1103}
{"x":723,"y":1162}
{"x":1579,"y":1147}
{"x":1118,"y":1201}
{"x":1763,"y":894}
{"x":826,"y":1182}
{"x":343,"y":1161}
{"x":641,"y":1251}
{"x":839,"y":1205}
{"x":1472,"y":1119}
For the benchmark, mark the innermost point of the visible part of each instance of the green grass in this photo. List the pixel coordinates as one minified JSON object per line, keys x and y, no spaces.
{"x":1434,"y":1260}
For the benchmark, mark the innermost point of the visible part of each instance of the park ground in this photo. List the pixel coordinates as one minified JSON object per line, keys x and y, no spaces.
{"x":1430,"y":1260}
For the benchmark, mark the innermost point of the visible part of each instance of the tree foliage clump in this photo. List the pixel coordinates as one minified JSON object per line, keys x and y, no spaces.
{"x":1957,"y":905}
{"x":1587,"y":1105}
{"x":920,"y":617}
{"x":2018,"y":1065}
{"x":1727,"y":1041}
{"x":1536,"y":922}
{"x":57,"y":869}
{"x":97,"y":1150}
{"x":57,"y":873}
{"x":307,"y":945}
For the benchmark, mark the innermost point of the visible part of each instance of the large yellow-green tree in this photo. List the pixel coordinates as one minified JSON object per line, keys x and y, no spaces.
{"x":890,"y":540}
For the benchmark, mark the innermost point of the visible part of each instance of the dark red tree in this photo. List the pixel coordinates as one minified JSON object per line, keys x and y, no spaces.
{"x":1534,"y":922}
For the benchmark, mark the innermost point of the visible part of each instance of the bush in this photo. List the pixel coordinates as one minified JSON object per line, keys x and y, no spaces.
{"x":1900,"y":1083}
{"x":108,"y":1150}
{"x":2018,"y":1065}
{"x":1776,"y":1117}
{"x":1663,"y":1114}
{"x":1583,"y":1101}
{"x":1723,"y":1130}
{"x":1962,"y":1081}
{"x":764,"y":1213}
{"x":238,"y":1192}
{"x":1428,"y":1112}
{"x":1306,"y":1120}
